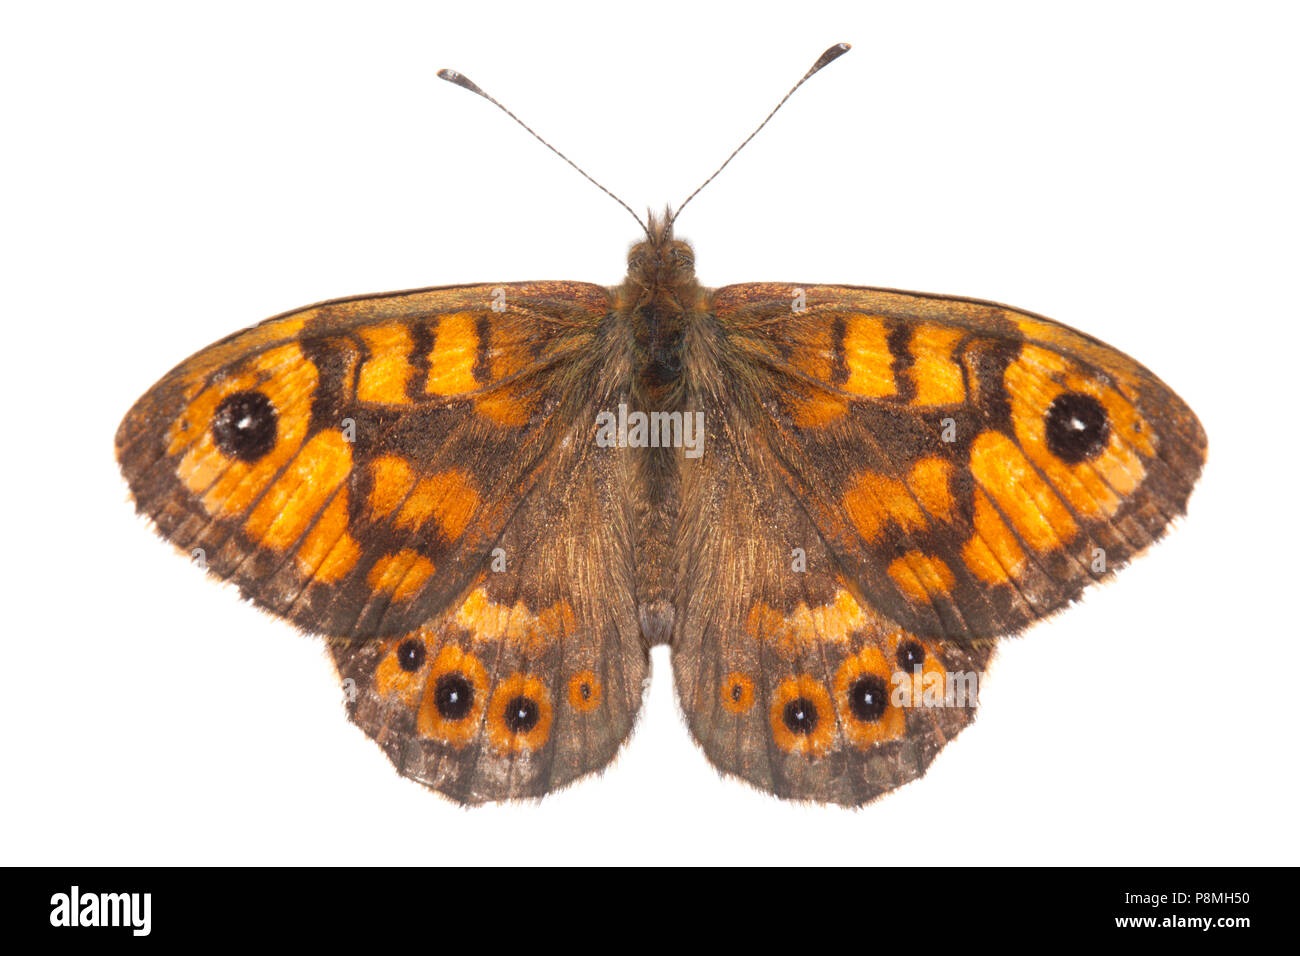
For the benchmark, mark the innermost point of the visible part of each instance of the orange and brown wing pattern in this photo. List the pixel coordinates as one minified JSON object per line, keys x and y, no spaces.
{"x":788,"y":676}
{"x":352,"y":464}
{"x":971,"y":467}
{"x":534,"y":676}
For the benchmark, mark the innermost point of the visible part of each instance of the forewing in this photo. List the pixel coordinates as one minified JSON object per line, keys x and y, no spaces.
{"x":351,"y":465}
{"x":971,"y":467}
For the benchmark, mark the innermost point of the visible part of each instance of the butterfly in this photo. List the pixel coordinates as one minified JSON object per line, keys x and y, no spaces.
{"x":829,"y":501}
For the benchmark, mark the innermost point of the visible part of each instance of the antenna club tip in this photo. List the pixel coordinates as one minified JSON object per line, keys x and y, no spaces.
{"x":830,"y":56}
{"x":451,"y":76}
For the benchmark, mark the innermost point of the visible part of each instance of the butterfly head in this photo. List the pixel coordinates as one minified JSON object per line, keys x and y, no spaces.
{"x":661,"y":264}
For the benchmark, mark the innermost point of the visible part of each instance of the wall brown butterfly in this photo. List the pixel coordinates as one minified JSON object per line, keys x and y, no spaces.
{"x":829,"y":501}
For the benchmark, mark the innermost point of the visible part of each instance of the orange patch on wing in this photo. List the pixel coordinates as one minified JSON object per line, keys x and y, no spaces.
{"x":447,"y":497}
{"x":452,"y":358}
{"x":519,"y":716}
{"x":390,"y":483}
{"x":930,"y":481}
{"x":329,"y":551}
{"x":867,"y":357}
{"x":937,"y":377}
{"x":920,"y":575}
{"x":585,"y":691}
{"x":814,"y":407}
{"x":993,"y":554}
{"x":401,"y":574}
{"x":1096,"y":487}
{"x":514,"y":624}
{"x":805,"y":626}
{"x":227,"y":486}
{"x":1034,"y":510}
{"x":874,"y":501}
{"x":384,"y":374}
{"x":458,"y":671}
{"x":508,"y":405}
{"x":737,"y":693}
{"x":802,"y":716}
{"x":294,"y":502}
{"x":866,"y":726}
{"x":557,"y":619}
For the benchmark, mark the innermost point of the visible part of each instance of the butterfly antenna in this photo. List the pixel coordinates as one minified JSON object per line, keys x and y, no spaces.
{"x":830,"y":56}
{"x":451,"y":76}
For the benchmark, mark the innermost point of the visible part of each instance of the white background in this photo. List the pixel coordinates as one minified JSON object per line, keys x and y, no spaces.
{"x":171,"y":174}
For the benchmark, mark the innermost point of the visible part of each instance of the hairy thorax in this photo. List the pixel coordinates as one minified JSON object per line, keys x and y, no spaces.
{"x":658,"y":295}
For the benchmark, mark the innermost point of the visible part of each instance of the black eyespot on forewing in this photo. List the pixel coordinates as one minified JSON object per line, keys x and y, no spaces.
{"x":910,"y":654}
{"x":244,"y":426}
{"x":453,"y":695}
{"x":410,"y":654}
{"x":1077,"y":427}
{"x":522,"y":714}
{"x":868,"y":698}
{"x":800,"y":716}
